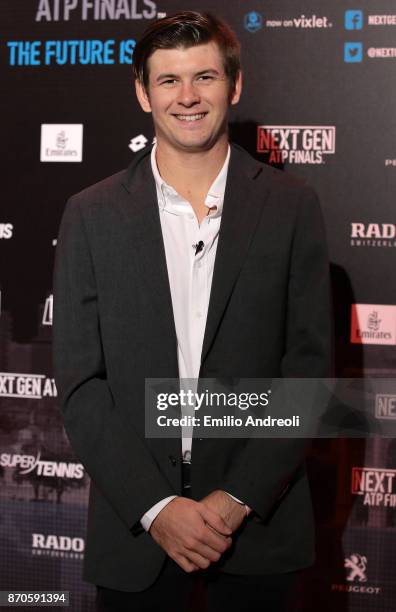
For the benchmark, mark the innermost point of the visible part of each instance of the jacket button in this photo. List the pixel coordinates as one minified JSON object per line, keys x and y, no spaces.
{"x":172,"y":459}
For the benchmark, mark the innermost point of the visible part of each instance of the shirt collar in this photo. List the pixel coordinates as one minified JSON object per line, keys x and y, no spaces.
{"x":169,"y":199}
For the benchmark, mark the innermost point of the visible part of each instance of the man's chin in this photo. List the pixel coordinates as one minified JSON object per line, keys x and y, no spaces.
{"x":197,"y":145}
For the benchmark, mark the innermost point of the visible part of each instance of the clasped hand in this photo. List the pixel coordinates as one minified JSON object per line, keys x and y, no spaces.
{"x":196,"y":534}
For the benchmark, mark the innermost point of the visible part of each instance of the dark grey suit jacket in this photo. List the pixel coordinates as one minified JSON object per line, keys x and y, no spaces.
{"x":113,"y":327}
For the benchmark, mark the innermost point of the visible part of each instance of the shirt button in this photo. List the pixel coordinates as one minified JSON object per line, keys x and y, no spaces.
{"x":198,"y":314}
{"x":190,"y":216}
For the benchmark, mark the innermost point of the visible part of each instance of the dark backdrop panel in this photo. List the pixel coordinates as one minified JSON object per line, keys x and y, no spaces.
{"x":313,"y":71}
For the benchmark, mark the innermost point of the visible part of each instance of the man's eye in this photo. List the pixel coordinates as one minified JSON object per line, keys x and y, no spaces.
{"x":205,"y":77}
{"x":169,"y":82}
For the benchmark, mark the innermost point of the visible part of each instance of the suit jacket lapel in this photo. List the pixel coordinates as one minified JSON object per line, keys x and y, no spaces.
{"x":242,"y":208}
{"x":141,"y":215}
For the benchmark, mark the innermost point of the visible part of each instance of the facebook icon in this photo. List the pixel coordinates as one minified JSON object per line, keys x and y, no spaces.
{"x":353,"y":20}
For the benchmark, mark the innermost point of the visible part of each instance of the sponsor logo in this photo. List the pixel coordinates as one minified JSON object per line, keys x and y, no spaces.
{"x":296,"y":144}
{"x":385,"y":406}
{"x":27,"y":464}
{"x":356,"y":578}
{"x":61,"y":140}
{"x":353,"y":52}
{"x":57,"y":546}
{"x":373,"y":234}
{"x":382,"y":20}
{"x":356,"y":566}
{"x":353,"y":20}
{"x":253,"y":21}
{"x":97,"y":10}
{"x":302,"y":22}
{"x":61,"y":143}
{"x":375,"y":485}
{"x":137,"y":143}
{"x":373,"y":324}
{"x":390,"y":162}
{"x":6,"y":230}
{"x":26,"y":386}
{"x":48,"y":310}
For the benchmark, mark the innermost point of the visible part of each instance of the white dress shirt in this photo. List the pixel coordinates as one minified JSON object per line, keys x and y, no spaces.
{"x":190,"y":279}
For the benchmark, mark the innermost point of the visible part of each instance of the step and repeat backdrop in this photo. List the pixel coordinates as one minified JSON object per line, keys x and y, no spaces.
{"x":318,"y":101}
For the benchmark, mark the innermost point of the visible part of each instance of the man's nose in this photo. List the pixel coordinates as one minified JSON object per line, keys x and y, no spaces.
{"x":188,"y":94}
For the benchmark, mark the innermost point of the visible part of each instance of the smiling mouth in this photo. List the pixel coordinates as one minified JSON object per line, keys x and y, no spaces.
{"x":190,"y":118}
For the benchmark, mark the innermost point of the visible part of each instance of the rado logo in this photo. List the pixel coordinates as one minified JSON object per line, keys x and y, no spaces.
{"x":58,"y":543}
{"x":373,"y":230}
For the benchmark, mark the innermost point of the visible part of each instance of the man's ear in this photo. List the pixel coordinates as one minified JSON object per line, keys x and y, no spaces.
{"x":236,"y":93}
{"x":142,"y":96}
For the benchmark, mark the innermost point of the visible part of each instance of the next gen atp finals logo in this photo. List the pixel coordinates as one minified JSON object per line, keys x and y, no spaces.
{"x":296,"y":144}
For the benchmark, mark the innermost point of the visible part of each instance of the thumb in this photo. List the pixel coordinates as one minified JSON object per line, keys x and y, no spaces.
{"x":214,"y":520}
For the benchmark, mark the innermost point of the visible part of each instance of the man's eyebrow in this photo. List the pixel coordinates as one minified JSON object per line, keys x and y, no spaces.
{"x":208,"y":71}
{"x":166,"y":76}
{"x":169,"y":75}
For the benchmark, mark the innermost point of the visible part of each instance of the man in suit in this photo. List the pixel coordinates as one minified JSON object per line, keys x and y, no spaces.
{"x":195,"y":262}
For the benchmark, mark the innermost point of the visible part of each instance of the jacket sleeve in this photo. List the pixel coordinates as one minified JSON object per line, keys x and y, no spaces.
{"x":115,"y":457}
{"x":262,"y":472}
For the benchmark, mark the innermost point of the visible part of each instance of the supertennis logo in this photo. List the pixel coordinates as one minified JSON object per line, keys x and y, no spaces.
{"x":27,"y":464}
{"x":296,"y":144}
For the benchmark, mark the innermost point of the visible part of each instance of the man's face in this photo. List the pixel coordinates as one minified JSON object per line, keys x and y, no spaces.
{"x":189,"y":96}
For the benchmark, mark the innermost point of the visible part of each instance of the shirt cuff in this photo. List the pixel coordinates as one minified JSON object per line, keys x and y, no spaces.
{"x":151,"y":514}
{"x":248,"y":510}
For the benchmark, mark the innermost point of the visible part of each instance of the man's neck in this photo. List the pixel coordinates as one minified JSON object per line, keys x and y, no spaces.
{"x":191,"y":174}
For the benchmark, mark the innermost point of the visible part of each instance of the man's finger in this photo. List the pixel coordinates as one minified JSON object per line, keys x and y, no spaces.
{"x":205,"y":550}
{"x":185,"y":564}
{"x":197,"y":559}
{"x":216,"y":532}
{"x":214,"y":520}
{"x":215,"y":540}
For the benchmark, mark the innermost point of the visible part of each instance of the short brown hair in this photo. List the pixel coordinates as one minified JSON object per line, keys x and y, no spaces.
{"x":183,"y":30}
